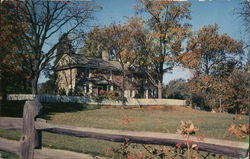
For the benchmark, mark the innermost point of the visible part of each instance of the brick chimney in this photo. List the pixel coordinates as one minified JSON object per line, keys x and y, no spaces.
{"x":105,"y":56}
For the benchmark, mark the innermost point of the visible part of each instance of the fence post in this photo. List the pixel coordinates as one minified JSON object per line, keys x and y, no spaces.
{"x":30,"y":138}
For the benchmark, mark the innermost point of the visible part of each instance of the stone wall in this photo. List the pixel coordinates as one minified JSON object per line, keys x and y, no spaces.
{"x":85,"y":100}
{"x":49,"y":98}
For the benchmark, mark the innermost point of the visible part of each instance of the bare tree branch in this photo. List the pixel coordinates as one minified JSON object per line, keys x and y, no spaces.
{"x":45,"y":19}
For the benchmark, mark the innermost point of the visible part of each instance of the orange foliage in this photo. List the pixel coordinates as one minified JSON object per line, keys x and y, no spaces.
{"x":126,"y":120}
{"x":186,"y":128}
{"x":235,"y":131}
{"x":207,"y":48}
{"x":10,"y":29}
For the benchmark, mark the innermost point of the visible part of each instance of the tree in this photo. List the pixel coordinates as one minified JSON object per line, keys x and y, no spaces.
{"x":236,"y":98}
{"x":143,"y":46}
{"x":177,"y":89}
{"x":140,"y":42}
{"x":212,"y":58}
{"x":118,"y":38}
{"x":125,"y":43}
{"x":13,"y":73}
{"x":45,"y":20}
{"x":244,"y":13}
{"x":208,"y":53}
{"x":95,"y":42}
{"x":64,"y":47}
{"x":49,"y":87}
{"x":166,"y":22}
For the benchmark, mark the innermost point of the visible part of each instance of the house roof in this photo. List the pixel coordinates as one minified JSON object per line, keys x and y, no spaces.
{"x":79,"y":60}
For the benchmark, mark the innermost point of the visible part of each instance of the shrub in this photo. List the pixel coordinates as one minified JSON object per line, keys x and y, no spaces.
{"x":61,"y":92}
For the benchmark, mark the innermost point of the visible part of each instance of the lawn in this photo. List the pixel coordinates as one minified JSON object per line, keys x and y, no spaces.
{"x":212,"y":125}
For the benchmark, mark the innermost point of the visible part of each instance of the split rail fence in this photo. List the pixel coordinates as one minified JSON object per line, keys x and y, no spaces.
{"x":31,"y":127}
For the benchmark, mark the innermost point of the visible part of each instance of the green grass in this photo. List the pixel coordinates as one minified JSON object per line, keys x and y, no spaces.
{"x":210,"y":124}
{"x":6,"y":155}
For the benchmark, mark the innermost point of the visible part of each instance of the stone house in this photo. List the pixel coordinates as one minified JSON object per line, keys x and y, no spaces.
{"x":89,"y":75}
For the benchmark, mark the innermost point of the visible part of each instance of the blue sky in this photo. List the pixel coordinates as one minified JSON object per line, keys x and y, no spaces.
{"x":203,"y":13}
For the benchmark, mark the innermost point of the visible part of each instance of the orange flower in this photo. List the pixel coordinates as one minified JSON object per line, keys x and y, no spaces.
{"x":178,"y":145}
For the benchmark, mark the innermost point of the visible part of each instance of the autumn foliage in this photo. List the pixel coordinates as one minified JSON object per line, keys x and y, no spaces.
{"x":214,"y":60}
{"x":168,"y":28}
{"x":13,"y":67}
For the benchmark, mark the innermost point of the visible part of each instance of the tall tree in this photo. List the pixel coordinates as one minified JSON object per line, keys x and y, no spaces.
{"x":96,"y":41}
{"x":212,"y":58}
{"x":168,"y":28}
{"x":236,"y":98}
{"x":46,"y":19}
{"x":209,"y":53}
{"x":64,"y":47}
{"x":244,"y":12}
{"x":99,"y":39}
{"x":13,"y":70}
{"x":124,"y":43}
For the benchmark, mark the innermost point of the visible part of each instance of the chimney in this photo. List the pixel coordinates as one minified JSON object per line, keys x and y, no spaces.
{"x":105,"y":56}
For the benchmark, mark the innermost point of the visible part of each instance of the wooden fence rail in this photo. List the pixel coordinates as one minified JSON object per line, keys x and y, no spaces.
{"x":32,"y":126}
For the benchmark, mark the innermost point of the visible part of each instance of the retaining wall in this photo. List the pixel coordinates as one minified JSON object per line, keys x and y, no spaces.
{"x":86,"y":100}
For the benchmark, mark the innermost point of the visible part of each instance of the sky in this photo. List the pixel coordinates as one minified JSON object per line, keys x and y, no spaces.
{"x":204,"y":12}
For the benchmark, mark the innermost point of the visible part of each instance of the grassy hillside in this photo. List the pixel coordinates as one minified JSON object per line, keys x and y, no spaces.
{"x":140,"y":119}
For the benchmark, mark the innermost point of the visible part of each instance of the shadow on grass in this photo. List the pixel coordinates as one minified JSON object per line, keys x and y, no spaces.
{"x":52,"y":108}
{"x":12,"y":109}
{"x":15,"y":108}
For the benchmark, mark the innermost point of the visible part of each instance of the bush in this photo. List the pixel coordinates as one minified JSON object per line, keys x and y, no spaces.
{"x":62,"y":92}
{"x":111,"y":95}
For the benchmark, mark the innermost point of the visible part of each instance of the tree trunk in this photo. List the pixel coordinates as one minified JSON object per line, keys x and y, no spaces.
{"x":159,"y":89}
{"x":34,"y":84}
{"x":3,"y":94}
{"x":123,"y":88}
{"x":160,"y":80}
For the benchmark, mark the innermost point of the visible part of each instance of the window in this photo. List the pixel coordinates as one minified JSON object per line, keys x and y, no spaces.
{"x":109,"y":75}
{"x":90,"y":87}
{"x":110,"y":88}
{"x":131,"y":93}
{"x":87,"y":73}
{"x":87,"y":88}
{"x":153,"y":92}
{"x":90,"y":73}
{"x":146,"y":93}
{"x":128,"y":93}
{"x":130,"y":78}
